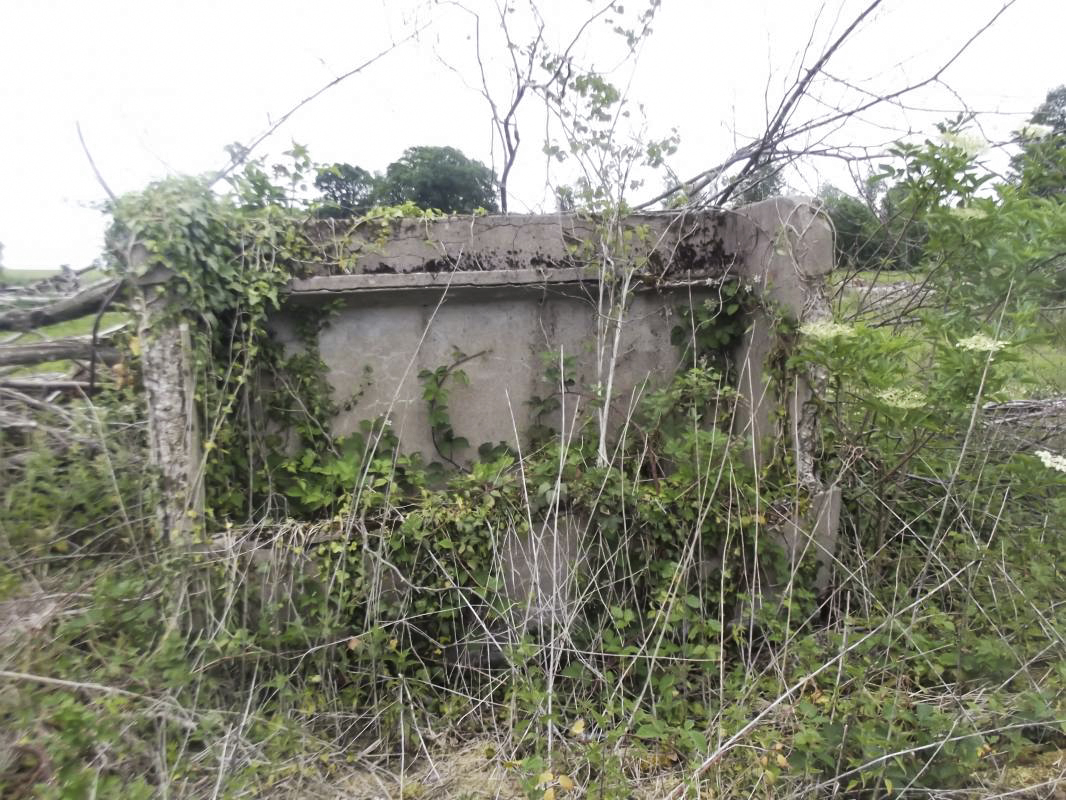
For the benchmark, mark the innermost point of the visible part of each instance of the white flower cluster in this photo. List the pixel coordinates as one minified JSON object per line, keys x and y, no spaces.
{"x":824,"y":329}
{"x":1052,"y":461}
{"x":981,"y":343}
{"x":966,"y":142}
{"x":1034,"y":131}
{"x":902,"y":398}
{"x":968,"y":213}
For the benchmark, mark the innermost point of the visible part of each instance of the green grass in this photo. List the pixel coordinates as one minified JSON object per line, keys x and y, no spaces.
{"x":878,"y":277}
{"x":23,"y":277}
{"x":1042,"y":369}
{"x":82,"y":326}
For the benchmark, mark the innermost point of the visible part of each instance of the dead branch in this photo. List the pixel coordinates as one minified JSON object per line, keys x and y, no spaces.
{"x":785,"y":110}
{"x":551,"y":86}
{"x":92,"y":163}
{"x":32,"y":402}
{"x":246,"y":150}
{"x":765,"y":149}
{"x":86,"y":302}
{"x":45,"y":385}
{"x":73,"y":348}
{"x":62,"y":283}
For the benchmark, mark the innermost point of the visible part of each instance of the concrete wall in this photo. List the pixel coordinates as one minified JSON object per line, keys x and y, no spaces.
{"x":506,"y":290}
{"x":510,"y":289}
{"x":378,"y":343}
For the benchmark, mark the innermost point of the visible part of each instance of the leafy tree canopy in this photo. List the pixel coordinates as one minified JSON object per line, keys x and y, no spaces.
{"x":346,"y":190}
{"x":1040,"y":167}
{"x":440,"y":178}
{"x":873,"y":233}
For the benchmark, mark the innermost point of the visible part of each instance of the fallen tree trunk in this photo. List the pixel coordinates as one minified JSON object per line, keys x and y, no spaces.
{"x":88,"y":301}
{"x":78,"y":349}
{"x":10,"y":300}
{"x":44,"y":385}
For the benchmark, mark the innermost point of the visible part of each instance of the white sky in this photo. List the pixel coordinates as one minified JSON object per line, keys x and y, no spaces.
{"x":160,"y":86}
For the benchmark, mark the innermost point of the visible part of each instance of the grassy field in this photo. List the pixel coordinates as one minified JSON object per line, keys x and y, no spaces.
{"x":23,"y":277}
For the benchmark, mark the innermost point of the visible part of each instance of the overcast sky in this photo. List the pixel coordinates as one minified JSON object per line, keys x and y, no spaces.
{"x":160,"y":86}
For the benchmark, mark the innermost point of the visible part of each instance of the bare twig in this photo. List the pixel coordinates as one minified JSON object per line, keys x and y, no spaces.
{"x":92,"y":163}
{"x":770,"y":141}
{"x":241,"y":157}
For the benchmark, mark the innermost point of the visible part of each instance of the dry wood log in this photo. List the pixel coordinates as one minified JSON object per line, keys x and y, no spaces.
{"x":44,"y":385}
{"x":85,"y":302}
{"x":13,"y":300}
{"x":78,"y":347}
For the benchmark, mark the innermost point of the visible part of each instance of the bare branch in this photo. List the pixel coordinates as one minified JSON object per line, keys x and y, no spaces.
{"x":44,"y":385}
{"x":247,"y":150}
{"x":92,"y":163}
{"x":76,"y":348}
{"x":779,"y":132}
{"x":85,"y":302}
{"x":798,"y":92}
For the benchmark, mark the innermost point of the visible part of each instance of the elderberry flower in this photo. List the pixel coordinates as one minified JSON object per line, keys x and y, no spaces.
{"x":1034,"y":131}
{"x":824,"y":329}
{"x":981,"y":344}
{"x":966,"y":142}
{"x":901,"y":398}
{"x":968,"y":213}
{"x":1052,"y":461}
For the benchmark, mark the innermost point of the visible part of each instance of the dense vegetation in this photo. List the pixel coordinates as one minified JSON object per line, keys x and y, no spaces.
{"x":342,"y":616}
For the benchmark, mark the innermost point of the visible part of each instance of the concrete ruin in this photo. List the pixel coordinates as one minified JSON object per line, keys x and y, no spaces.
{"x":507,"y":291}
{"x":498,"y":292}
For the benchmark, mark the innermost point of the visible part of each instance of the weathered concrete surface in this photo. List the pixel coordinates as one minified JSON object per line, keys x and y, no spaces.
{"x":788,"y":251}
{"x":511,"y":290}
{"x":377,"y":345}
{"x":680,"y":241}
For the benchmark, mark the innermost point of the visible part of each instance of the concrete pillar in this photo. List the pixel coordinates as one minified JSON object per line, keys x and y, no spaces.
{"x":173,"y":428}
{"x":788,"y":250}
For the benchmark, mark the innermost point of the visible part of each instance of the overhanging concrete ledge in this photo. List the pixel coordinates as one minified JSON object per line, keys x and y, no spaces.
{"x":327,"y":285}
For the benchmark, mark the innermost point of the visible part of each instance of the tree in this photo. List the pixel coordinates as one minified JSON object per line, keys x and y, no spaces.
{"x":873,"y":234}
{"x":441,"y":178}
{"x":438,"y":177}
{"x":860,"y":236}
{"x":346,"y":190}
{"x":763,"y":182}
{"x":1040,"y":167}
